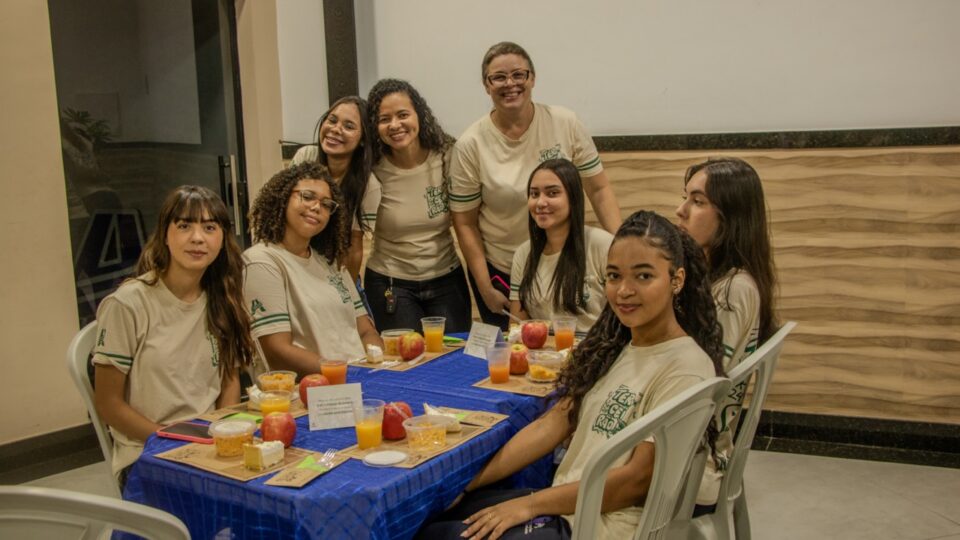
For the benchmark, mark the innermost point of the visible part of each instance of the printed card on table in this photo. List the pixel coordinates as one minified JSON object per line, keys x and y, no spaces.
{"x":332,"y":406}
{"x":481,"y":336}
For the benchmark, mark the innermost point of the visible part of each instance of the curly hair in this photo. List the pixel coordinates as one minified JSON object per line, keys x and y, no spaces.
{"x":500,"y":49}
{"x":693,"y":308}
{"x":567,"y":281}
{"x":431,"y":136}
{"x":268,"y":215}
{"x":742,"y":240}
{"x":222,"y":281}
{"x":354,"y":182}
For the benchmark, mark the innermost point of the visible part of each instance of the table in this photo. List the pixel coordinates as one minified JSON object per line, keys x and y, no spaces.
{"x":353,"y":500}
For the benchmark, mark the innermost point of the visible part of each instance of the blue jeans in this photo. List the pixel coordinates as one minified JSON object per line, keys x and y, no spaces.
{"x":444,"y":296}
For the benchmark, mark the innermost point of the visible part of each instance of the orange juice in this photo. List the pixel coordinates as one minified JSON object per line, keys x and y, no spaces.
{"x":369,"y":433}
{"x":335,"y":371}
{"x":563,"y":339}
{"x":499,"y":373}
{"x":274,"y":402}
{"x":434,"y":339}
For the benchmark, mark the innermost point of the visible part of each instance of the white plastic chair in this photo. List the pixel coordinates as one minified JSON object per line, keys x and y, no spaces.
{"x":42,"y":513}
{"x":677,"y":427}
{"x":732,"y":500}
{"x":78,"y":355}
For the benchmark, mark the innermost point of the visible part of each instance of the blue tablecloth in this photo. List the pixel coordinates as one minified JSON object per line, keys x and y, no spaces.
{"x":354,"y":500}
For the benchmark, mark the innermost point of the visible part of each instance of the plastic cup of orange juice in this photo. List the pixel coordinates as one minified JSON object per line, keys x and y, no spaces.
{"x":334,"y":369}
{"x":369,"y":423}
{"x":433,"y":333}
{"x":563,"y":332}
{"x":274,"y":401}
{"x":498,"y":362}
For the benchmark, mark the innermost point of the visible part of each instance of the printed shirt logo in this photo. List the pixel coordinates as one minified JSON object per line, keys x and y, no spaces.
{"x":214,"y":350}
{"x":614,"y":411}
{"x":257,"y":307}
{"x":337,"y":281}
{"x":551,"y":153}
{"x":103,"y":335}
{"x":436,"y":201}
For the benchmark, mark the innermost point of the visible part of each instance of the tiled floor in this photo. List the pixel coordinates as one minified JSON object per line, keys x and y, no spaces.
{"x":793,"y":497}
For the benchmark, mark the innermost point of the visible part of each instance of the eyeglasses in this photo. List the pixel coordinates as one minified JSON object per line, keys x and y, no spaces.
{"x":519,"y":76}
{"x":311,"y":200}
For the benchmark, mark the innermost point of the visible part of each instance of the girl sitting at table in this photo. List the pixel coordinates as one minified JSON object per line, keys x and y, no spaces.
{"x":723,"y":209}
{"x":414,"y":270}
{"x":657,"y":336}
{"x":171,"y":342}
{"x":301,"y":299}
{"x":346,"y":146}
{"x":559,"y":270}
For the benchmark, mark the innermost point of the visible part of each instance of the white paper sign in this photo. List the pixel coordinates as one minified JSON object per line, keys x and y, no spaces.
{"x":481,"y":336}
{"x":332,"y":406}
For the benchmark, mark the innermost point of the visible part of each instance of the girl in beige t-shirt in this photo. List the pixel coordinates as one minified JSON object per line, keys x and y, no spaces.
{"x":171,"y":341}
{"x":413,"y":270}
{"x":724,"y":211}
{"x":657,"y":337}
{"x":559,"y":270}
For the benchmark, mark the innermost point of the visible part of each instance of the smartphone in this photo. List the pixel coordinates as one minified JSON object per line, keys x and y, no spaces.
{"x":500,"y":285}
{"x":187,"y":431}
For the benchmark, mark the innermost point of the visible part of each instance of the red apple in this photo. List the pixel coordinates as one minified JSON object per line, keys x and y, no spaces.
{"x":534,"y":334}
{"x":393,"y":416}
{"x":314,"y":379}
{"x":411,"y":345}
{"x":278,"y":426}
{"x":518,"y":359}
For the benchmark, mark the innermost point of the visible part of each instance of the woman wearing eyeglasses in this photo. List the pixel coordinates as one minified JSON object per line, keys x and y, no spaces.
{"x":302,"y":302}
{"x":491,"y":163}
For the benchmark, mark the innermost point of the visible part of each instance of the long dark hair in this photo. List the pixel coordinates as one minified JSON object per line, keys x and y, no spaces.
{"x":268,"y":216}
{"x":693,"y":308}
{"x":354,"y":183}
{"x":566,"y":285}
{"x":431,"y":136}
{"x":742,"y":240}
{"x":222,"y":281}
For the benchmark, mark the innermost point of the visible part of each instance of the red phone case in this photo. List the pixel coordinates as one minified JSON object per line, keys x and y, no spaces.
{"x":205,"y":438}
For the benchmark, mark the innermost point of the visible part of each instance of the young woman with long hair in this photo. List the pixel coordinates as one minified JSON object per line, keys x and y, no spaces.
{"x":559,"y":270}
{"x":723,"y":209}
{"x":171,"y":341}
{"x":346,"y":147}
{"x":492,"y":161}
{"x":413,"y":270}
{"x":301,"y":299}
{"x":657,"y":336}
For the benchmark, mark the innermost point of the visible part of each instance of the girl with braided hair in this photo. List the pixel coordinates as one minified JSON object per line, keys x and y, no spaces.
{"x":657,"y":336}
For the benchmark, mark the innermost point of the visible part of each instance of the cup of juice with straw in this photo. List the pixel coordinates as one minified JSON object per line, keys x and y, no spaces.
{"x":433,"y":333}
{"x":369,"y":423}
{"x":498,"y":362}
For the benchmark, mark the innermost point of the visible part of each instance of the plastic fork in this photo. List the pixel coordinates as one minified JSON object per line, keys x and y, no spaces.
{"x":327,"y":458}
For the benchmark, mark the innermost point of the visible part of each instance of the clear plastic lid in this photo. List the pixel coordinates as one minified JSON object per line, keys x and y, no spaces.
{"x":232,"y":427}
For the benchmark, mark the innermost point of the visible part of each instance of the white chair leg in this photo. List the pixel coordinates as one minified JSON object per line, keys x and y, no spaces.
{"x":741,"y":517}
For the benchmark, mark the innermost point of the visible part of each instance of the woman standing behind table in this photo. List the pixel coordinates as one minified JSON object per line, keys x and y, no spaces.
{"x":345,"y":145}
{"x":171,"y":341}
{"x":725,"y":213}
{"x":559,"y":271}
{"x":413,"y":270}
{"x":491,"y":163}
{"x":301,"y":299}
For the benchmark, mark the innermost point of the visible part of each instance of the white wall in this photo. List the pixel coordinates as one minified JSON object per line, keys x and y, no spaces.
{"x":303,"y":67}
{"x":682,"y":66}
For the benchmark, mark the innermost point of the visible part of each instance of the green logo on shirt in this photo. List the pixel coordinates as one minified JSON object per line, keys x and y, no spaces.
{"x":103,"y":334}
{"x":256,"y":307}
{"x":613,"y":413}
{"x":551,"y":153}
{"x":214,"y":350}
{"x":436,"y":201}
{"x":337,"y":281}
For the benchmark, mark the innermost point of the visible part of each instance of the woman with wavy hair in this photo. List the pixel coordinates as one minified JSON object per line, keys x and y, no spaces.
{"x":346,"y":147}
{"x":657,"y":336}
{"x":559,"y":271}
{"x":301,"y":299}
{"x":171,"y":341}
{"x":413,"y":270}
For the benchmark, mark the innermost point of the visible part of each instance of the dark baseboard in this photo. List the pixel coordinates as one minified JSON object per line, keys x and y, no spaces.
{"x":47,"y":454}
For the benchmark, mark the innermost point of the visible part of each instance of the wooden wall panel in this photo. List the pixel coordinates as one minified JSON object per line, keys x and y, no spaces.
{"x":867,"y":247}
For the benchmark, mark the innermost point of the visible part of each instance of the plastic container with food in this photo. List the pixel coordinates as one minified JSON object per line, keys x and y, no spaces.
{"x":426,"y":433}
{"x":391,"y":340}
{"x":229,"y":436}
{"x":277,"y":380}
{"x":545,"y":365}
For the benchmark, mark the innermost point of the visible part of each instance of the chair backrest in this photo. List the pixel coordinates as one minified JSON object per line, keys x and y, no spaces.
{"x":34,"y":512}
{"x":677,"y":427}
{"x":78,"y":356}
{"x":763,"y":363}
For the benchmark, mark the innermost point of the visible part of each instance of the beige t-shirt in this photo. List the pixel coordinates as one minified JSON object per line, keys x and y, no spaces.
{"x":371,"y":197}
{"x":490,"y":171}
{"x":639,"y":380}
{"x":540,"y":304}
{"x":162,"y":345}
{"x":413,"y":239}
{"x":738,"y":311}
{"x":308,"y":297}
